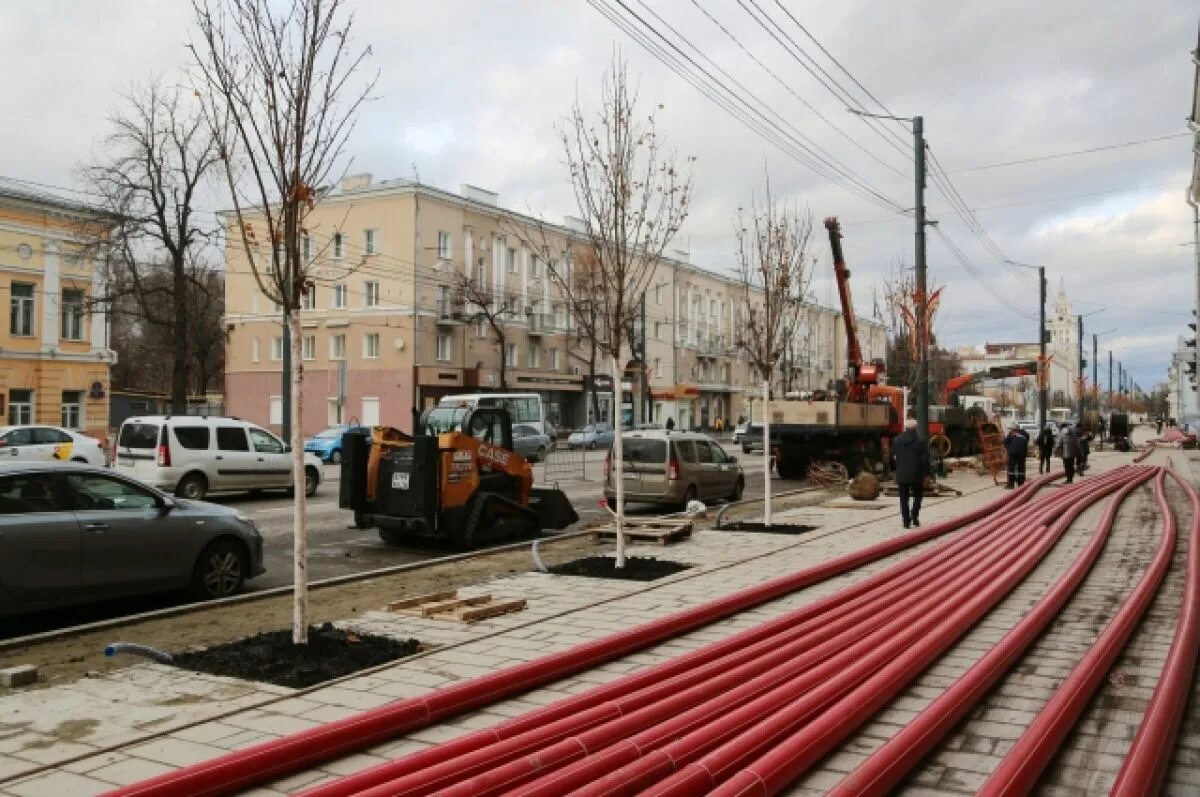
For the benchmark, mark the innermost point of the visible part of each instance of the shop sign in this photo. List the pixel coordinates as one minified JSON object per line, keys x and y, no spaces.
{"x":601,"y":383}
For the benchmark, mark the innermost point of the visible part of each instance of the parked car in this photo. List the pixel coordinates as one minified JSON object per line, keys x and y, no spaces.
{"x":1030,"y":427}
{"x":598,"y":435}
{"x":49,"y":444}
{"x":193,"y":456}
{"x":740,"y":430}
{"x":327,"y":444}
{"x":674,"y":468}
{"x":530,"y":443}
{"x":73,"y":533}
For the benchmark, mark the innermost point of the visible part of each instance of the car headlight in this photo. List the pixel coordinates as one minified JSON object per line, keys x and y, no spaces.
{"x":249,"y":521}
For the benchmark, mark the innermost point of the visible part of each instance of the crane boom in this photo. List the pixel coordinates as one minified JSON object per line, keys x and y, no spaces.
{"x":862,"y":375}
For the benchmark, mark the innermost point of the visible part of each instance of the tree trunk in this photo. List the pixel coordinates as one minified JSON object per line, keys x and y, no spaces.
{"x":181,"y":355}
{"x":503,"y":362}
{"x":766,"y":452}
{"x":618,"y":461}
{"x":592,"y":380}
{"x":299,"y":497}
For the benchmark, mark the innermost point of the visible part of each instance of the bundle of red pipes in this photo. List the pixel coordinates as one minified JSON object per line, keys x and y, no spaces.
{"x":751,"y":713}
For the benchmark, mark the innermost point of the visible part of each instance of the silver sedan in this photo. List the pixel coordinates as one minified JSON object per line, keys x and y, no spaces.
{"x":530,"y":443}
{"x":71,"y":533}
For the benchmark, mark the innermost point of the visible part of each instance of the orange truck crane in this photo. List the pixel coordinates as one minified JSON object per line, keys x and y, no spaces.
{"x":857,"y":425}
{"x":958,"y":432}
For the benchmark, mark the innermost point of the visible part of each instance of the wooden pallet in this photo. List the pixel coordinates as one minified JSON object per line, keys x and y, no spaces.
{"x":447,"y":605}
{"x":660,"y":530}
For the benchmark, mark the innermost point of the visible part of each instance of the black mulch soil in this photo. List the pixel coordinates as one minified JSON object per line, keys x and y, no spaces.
{"x":774,"y":528}
{"x":637,"y":568}
{"x":271,"y":657}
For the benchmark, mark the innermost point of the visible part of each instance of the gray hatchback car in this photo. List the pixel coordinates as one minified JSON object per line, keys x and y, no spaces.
{"x":72,"y":533}
{"x":674,"y":468}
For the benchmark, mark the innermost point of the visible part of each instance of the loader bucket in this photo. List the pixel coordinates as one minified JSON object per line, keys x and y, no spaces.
{"x":554,"y":509}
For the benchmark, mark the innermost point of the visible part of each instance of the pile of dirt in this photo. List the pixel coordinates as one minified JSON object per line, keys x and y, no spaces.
{"x":774,"y":528}
{"x":637,"y":568}
{"x":272,"y":658}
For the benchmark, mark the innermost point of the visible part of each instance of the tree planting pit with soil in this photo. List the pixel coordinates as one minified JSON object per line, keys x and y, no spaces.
{"x":271,"y":657}
{"x":637,"y":568}
{"x":774,"y":528}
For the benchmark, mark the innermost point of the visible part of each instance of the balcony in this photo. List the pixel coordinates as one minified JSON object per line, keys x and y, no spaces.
{"x":710,"y":348}
{"x":450,"y":313}
{"x":539,"y":324}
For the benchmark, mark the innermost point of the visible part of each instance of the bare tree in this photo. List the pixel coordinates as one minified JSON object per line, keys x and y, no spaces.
{"x":276,"y":81}
{"x":632,"y":200}
{"x":162,"y":151}
{"x":483,"y":303}
{"x":774,"y":271}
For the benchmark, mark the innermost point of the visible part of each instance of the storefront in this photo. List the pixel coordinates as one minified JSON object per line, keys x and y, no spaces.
{"x":601,"y":387}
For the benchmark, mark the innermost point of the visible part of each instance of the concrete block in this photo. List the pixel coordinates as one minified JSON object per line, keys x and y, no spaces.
{"x":22,"y":675}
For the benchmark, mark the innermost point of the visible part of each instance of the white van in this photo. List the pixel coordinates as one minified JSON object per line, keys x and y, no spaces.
{"x":193,"y":456}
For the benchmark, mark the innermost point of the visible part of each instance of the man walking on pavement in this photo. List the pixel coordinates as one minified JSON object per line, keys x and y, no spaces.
{"x":1017,"y":446}
{"x":1045,"y":447}
{"x":910,"y":463}
{"x":1070,"y":450}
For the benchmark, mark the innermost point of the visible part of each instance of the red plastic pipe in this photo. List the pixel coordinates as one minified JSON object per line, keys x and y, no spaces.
{"x":675,"y":711}
{"x":1145,"y":767}
{"x":1020,"y":769}
{"x":456,"y":760}
{"x":888,"y":765}
{"x":1145,"y":452}
{"x":263,"y":762}
{"x":631,"y":711}
{"x":705,"y":775}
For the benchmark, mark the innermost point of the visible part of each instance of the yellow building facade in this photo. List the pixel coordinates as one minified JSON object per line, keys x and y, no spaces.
{"x":54,"y":351}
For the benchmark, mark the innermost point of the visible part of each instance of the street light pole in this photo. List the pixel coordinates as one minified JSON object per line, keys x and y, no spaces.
{"x":922,"y":308}
{"x":1043,"y":365}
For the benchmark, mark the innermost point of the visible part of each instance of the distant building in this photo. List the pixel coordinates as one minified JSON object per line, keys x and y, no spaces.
{"x":54,"y":350}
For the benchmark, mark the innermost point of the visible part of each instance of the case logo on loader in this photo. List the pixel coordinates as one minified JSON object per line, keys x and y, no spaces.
{"x":400,"y":481}
{"x":498,"y":455}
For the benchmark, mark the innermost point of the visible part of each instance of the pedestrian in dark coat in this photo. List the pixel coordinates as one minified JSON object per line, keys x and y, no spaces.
{"x":1070,"y":450}
{"x":1085,"y":448}
{"x":670,"y":424}
{"x":1017,"y":446}
{"x":910,"y":464}
{"x":1045,"y":446}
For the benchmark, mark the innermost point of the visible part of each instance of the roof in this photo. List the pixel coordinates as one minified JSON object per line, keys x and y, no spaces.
{"x":30,"y":196}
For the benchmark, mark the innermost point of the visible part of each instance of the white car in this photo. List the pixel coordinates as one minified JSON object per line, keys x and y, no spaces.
{"x":193,"y":456}
{"x":49,"y":444}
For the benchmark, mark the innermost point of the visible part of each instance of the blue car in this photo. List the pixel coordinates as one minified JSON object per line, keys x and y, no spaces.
{"x":328,"y":444}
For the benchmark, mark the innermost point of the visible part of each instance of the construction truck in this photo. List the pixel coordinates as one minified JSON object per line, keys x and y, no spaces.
{"x":957,"y":430}
{"x":854,"y":425}
{"x":458,"y":478}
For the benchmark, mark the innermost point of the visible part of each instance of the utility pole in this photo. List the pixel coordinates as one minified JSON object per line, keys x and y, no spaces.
{"x":1110,"y":381}
{"x":918,"y":124}
{"x":1095,"y":379}
{"x":1043,"y":366}
{"x":1082,"y":365}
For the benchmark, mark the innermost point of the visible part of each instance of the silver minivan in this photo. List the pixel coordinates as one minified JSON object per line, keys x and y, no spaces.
{"x":193,"y":456}
{"x":673,"y":468}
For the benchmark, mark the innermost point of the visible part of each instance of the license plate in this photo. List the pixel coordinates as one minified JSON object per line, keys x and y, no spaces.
{"x":400,"y":481}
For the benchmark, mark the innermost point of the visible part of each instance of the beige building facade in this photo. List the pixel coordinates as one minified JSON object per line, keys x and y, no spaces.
{"x":54,"y":352}
{"x":386,"y":334}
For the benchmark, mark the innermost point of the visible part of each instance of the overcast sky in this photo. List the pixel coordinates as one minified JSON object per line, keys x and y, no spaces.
{"x":473,"y":91}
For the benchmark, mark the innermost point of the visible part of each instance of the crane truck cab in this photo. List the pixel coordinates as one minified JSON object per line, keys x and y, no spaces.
{"x":458,"y":478}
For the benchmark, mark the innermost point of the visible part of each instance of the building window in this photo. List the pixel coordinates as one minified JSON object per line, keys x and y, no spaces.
{"x":72,"y":409}
{"x":481,"y":273}
{"x":254,"y":349}
{"x":510,"y":355}
{"x":535,"y":267}
{"x":339,"y":297}
{"x":444,"y":245}
{"x":535,"y":355}
{"x":310,"y":347}
{"x":306,"y":248}
{"x":20,"y":407}
{"x":370,"y":242}
{"x":481,"y":327}
{"x":658,"y":330}
{"x":21,"y":321}
{"x":657,"y":368}
{"x":371,"y":345}
{"x":72,"y":315}
{"x":308,"y":299}
{"x":371,"y":297}
{"x":554,"y":360}
{"x":337,"y":245}
{"x":277,"y":348}
{"x":274,"y":412}
{"x":512,"y":260}
{"x":337,"y":347}
{"x":658,"y":293}
{"x":444,"y":342}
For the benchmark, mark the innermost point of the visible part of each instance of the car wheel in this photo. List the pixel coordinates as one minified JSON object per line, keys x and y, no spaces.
{"x":193,"y":487}
{"x":738,"y":488}
{"x":541,"y":454}
{"x":335,"y":457}
{"x":311,"y":480}
{"x":592,"y":446}
{"x":690,"y":495}
{"x":79,"y":459}
{"x":220,"y":571}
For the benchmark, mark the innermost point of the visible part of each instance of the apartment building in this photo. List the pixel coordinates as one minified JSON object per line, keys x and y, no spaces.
{"x":54,"y":350}
{"x":387,"y":333}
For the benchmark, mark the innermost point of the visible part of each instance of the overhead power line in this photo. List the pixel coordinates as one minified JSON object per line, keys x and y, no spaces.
{"x":1073,"y":153}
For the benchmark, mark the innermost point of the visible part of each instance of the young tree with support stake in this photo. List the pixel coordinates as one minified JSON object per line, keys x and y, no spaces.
{"x":275,"y":81}
{"x":774,"y":269}
{"x":631,"y":200}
